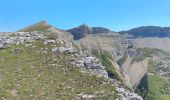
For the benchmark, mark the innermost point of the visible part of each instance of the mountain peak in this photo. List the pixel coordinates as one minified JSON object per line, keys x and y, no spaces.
{"x":44,"y":22}
{"x":40,"y":26}
{"x":85,"y":25}
{"x":80,"y":31}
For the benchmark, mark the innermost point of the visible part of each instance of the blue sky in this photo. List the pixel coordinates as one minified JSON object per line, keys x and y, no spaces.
{"x":114,"y":14}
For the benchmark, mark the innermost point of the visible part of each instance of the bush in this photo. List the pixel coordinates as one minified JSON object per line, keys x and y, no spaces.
{"x":123,"y":59}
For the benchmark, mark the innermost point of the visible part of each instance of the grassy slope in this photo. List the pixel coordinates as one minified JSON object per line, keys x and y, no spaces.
{"x":27,"y":75}
{"x":156,"y":88}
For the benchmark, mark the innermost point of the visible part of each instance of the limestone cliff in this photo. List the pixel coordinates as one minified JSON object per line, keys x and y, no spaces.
{"x":134,"y":71}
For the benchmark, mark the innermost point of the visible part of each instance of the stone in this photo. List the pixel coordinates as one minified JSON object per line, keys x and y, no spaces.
{"x":83,"y":96}
{"x":63,"y":49}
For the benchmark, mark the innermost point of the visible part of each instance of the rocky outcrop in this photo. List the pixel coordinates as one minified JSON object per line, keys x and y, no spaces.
{"x":7,"y":39}
{"x":90,"y":64}
{"x":124,"y":94}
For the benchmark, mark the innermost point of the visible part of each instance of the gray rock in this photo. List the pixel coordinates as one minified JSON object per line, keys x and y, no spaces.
{"x":83,"y":96}
{"x":91,"y":65}
{"x":126,"y":94}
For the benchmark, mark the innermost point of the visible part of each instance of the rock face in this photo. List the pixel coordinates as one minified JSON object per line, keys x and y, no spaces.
{"x":100,"y":42}
{"x":134,"y":71}
{"x":151,"y":42}
{"x":81,"y":31}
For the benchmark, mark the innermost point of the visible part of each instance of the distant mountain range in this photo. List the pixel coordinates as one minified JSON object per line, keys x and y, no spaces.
{"x":148,"y":31}
{"x":144,"y":31}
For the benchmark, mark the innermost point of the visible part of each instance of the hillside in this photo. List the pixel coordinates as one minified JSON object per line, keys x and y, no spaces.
{"x":47,"y":64}
{"x":34,"y":72}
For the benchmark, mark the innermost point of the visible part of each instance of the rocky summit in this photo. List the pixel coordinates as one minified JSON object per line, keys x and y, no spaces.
{"x":81,"y":31}
{"x":84,"y":63}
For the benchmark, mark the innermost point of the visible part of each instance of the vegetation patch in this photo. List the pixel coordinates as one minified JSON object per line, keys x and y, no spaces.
{"x":146,"y":52}
{"x":123,"y":59}
{"x":158,"y":88}
{"x":52,"y":36}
